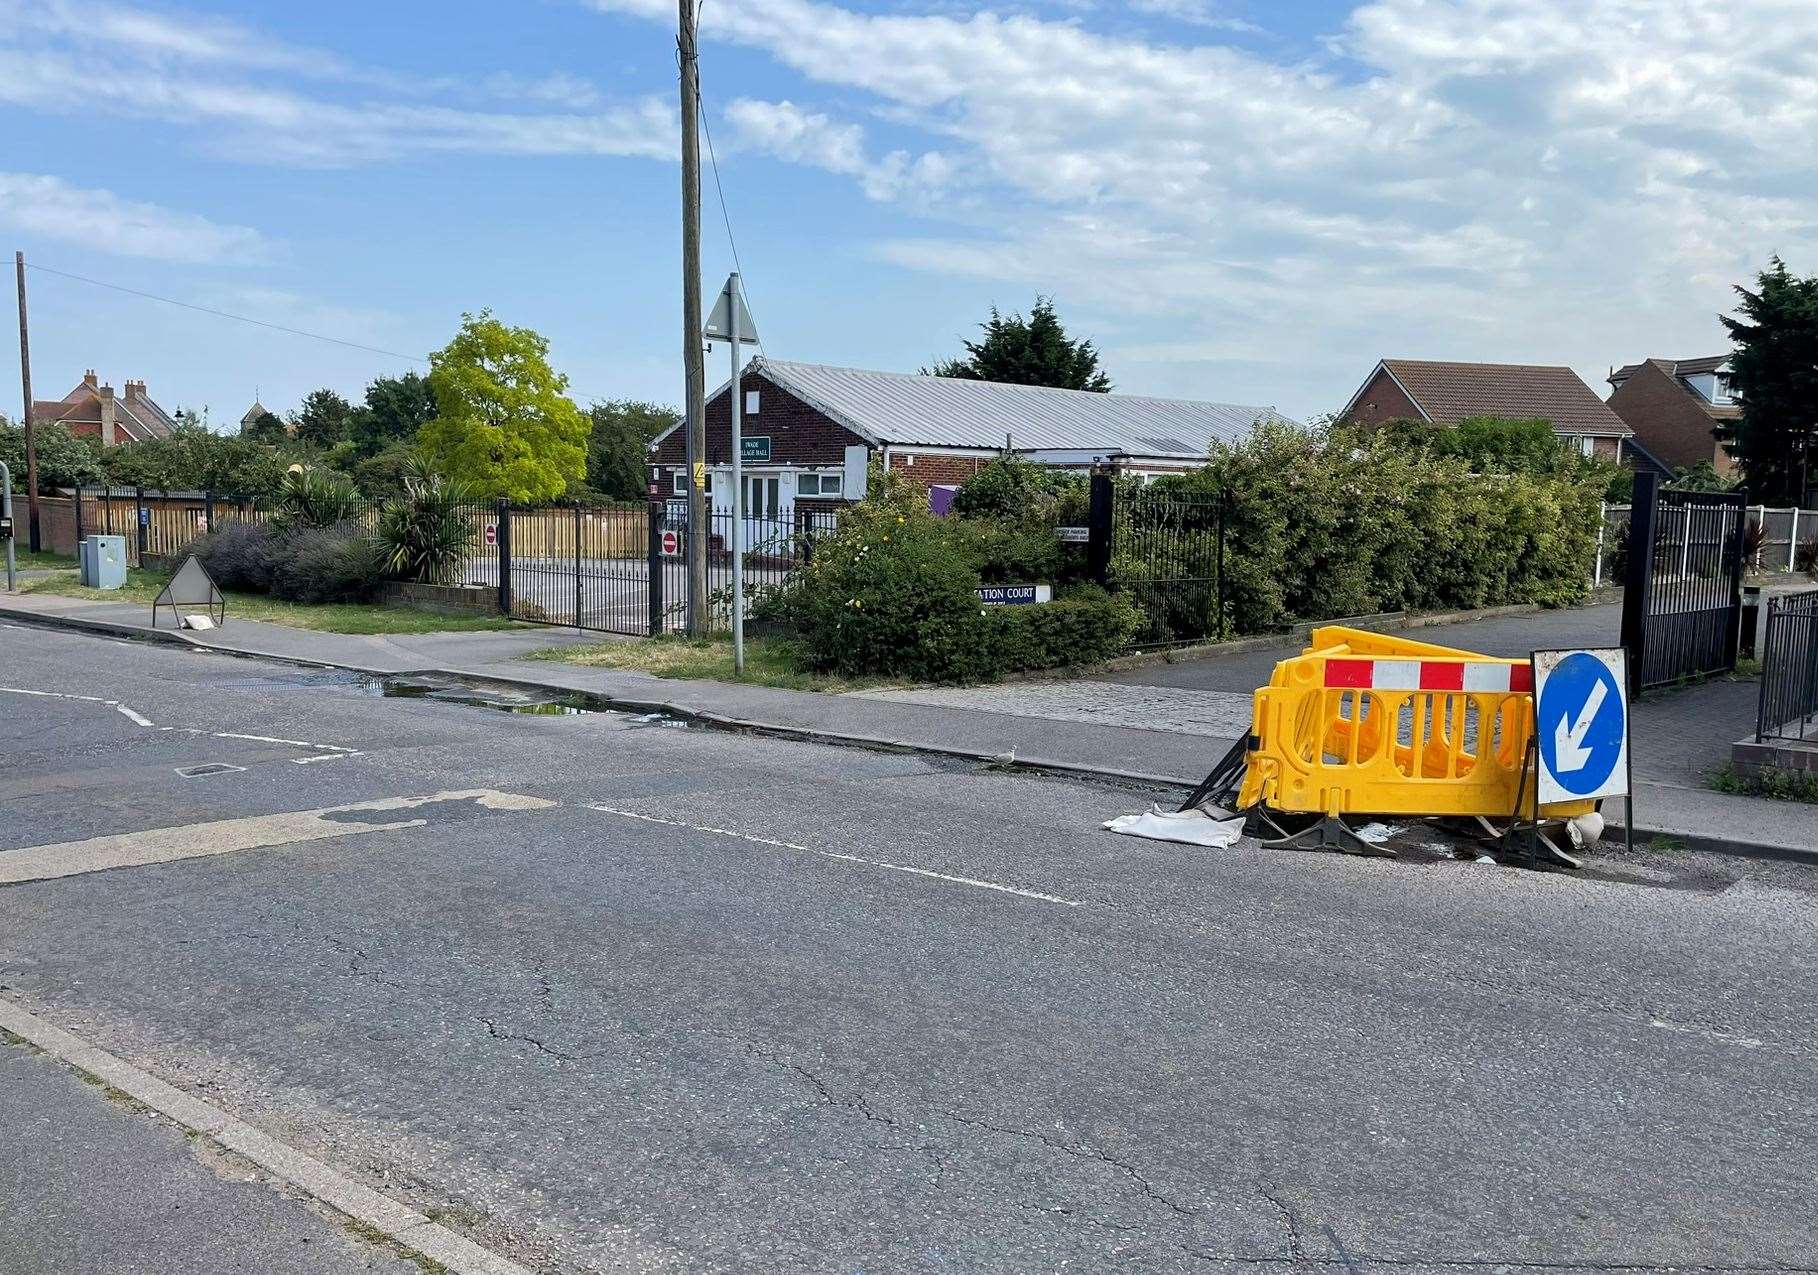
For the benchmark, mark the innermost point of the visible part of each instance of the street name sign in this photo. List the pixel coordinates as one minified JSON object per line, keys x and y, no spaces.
{"x":1581,"y":722}
{"x":1015,"y":595}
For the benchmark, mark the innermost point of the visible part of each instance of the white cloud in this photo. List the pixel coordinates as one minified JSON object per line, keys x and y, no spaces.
{"x":1200,"y":13}
{"x":1556,"y":180}
{"x":250,"y":98}
{"x":788,"y":132}
{"x":51,"y":208}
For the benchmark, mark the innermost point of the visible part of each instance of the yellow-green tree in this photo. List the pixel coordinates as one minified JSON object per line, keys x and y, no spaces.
{"x":503,"y":424}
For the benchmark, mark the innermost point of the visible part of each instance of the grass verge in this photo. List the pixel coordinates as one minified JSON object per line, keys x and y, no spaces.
{"x":768,"y":662}
{"x":1769,"y":782}
{"x":26,"y":560}
{"x":143,"y":586}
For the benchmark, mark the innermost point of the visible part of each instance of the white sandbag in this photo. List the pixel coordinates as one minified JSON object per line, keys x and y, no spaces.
{"x":1204,"y":826}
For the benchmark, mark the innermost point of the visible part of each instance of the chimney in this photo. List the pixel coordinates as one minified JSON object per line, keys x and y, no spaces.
{"x":88,"y":378}
{"x":109,"y":418}
{"x":135,"y":391}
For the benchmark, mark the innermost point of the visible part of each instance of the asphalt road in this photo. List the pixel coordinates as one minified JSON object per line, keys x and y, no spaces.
{"x":728,"y":1003}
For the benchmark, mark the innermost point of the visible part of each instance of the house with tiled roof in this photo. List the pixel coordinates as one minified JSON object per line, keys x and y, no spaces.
{"x":1447,"y":393}
{"x":93,"y":410}
{"x":1675,"y":407}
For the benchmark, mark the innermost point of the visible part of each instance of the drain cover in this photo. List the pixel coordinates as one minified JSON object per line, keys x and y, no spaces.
{"x":211,"y":768}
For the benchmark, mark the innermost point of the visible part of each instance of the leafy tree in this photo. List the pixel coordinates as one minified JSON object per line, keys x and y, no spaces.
{"x":396,"y":409}
{"x":323,"y":418}
{"x":1774,"y":370}
{"x":1010,"y":487}
{"x":264,"y":428}
{"x":503,"y":425}
{"x":1031,"y":351}
{"x":197,"y":459}
{"x":1489,"y":444}
{"x":63,"y":460}
{"x":618,"y":451}
{"x":383,"y":475}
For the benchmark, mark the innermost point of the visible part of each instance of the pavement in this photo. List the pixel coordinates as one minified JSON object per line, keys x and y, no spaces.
{"x":98,"y":1184}
{"x":602,"y":993}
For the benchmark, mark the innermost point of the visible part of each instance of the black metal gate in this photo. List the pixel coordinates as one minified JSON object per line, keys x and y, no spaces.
{"x":1166,"y":550}
{"x":589,"y":566}
{"x":1682,"y":600}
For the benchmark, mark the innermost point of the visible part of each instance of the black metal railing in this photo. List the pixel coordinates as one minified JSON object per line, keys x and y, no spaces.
{"x":1789,"y":668}
{"x":777,"y":547}
{"x":1166,"y":551}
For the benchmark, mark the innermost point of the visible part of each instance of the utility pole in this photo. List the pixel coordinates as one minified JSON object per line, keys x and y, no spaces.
{"x":31,"y":434}
{"x":700,"y":530}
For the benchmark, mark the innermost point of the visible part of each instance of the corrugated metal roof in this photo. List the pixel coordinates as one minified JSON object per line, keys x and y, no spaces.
{"x":939,"y":411}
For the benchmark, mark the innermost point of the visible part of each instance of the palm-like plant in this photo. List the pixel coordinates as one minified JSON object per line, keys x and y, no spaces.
{"x":312,"y":498}
{"x":425,"y":533}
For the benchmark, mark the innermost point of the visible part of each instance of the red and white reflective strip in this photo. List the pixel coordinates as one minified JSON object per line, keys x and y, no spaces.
{"x":1429,"y":675}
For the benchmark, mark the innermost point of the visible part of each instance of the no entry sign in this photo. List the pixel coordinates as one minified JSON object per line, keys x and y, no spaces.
{"x":491,"y":534}
{"x":672,"y":544}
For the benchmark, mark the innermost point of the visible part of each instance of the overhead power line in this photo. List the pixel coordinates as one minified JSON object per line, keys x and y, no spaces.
{"x":260,"y":323}
{"x":224,"y":314}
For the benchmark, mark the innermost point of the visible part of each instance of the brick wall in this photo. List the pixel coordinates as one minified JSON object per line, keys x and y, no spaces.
{"x":1383,"y":400}
{"x":798,"y":433}
{"x":1667,"y":419}
{"x":936,"y":469}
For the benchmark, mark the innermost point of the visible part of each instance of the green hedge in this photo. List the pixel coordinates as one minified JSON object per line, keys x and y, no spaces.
{"x":1327,"y":522}
{"x":894,"y":592}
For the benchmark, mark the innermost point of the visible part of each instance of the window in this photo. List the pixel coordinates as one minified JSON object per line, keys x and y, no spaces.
{"x":678,"y":483}
{"x":822,"y":486}
{"x":751,"y":402}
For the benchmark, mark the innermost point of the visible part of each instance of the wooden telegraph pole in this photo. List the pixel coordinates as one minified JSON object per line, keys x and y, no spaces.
{"x":31,"y":434}
{"x":700,"y":532}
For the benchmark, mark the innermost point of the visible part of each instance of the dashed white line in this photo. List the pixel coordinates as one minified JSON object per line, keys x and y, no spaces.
{"x":324,"y":751}
{"x":843,"y":858}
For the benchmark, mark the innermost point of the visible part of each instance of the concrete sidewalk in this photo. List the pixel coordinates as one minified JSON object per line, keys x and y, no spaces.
{"x":1117,"y":752}
{"x":1085,"y":726}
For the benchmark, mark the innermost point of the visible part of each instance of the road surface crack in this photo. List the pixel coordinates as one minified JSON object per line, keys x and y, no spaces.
{"x":1083,"y":1153}
{"x":1290,"y":1220}
{"x":493,"y":1030}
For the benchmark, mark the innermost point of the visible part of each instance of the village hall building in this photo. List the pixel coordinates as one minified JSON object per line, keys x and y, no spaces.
{"x":810,"y":431}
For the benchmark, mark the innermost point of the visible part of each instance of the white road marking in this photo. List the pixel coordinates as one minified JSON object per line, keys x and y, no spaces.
{"x":402,"y":1224}
{"x":224,"y":836}
{"x":844,"y":858}
{"x":139,"y":719}
{"x":1709,"y":1033}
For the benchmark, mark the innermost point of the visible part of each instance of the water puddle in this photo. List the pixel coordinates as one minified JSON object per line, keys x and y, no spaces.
{"x":498,"y":699}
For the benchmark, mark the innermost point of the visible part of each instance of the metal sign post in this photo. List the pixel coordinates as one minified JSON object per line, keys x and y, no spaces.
{"x":6,"y":526}
{"x":731,"y":322}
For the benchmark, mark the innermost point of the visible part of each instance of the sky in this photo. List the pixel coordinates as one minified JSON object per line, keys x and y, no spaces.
{"x":1246,"y":201}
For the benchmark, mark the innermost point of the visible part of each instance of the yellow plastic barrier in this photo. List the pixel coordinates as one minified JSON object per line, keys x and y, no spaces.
{"x":1370,"y":724}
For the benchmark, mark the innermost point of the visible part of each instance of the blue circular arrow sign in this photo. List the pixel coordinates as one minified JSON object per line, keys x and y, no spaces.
{"x":1582,"y":723}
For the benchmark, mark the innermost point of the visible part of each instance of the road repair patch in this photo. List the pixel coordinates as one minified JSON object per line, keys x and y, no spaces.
{"x":224,"y":836}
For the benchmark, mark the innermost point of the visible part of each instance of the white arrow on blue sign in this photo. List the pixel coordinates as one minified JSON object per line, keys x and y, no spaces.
{"x":1581,"y":718}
